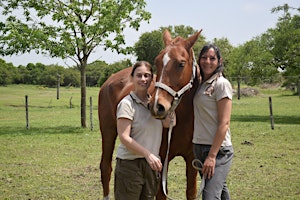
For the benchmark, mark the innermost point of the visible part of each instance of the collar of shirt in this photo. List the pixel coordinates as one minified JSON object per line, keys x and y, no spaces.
{"x":137,"y":99}
{"x":213,"y":77}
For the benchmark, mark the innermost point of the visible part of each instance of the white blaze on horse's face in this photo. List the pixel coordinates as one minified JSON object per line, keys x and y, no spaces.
{"x":165,"y":60}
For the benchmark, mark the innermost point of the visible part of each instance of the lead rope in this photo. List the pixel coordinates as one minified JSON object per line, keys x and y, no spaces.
{"x":196,"y":166}
{"x":165,"y":168}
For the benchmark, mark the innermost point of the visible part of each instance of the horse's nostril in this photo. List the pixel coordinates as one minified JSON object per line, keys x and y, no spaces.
{"x":160,"y":108}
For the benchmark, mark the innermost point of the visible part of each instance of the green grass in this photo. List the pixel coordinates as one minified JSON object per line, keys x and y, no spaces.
{"x":56,"y":159}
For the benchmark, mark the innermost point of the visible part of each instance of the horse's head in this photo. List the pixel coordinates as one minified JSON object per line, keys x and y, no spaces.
{"x":176,"y":71}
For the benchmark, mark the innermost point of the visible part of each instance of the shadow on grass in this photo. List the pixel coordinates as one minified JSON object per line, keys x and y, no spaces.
{"x":256,"y":118}
{"x":44,"y":130}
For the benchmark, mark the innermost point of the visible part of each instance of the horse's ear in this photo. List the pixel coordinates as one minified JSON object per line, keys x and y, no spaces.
{"x":191,"y":40}
{"x":167,"y":37}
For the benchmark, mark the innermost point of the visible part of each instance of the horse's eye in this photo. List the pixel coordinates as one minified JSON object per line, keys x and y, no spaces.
{"x":181,"y":64}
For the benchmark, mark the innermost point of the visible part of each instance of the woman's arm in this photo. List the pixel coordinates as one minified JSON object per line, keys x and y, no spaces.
{"x":123,"y":128}
{"x":224,"y":111}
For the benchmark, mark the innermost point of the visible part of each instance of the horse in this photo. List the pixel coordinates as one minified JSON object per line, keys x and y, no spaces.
{"x":173,"y":88}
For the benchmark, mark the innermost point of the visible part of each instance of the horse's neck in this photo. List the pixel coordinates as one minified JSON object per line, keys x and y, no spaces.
{"x":187,"y":98}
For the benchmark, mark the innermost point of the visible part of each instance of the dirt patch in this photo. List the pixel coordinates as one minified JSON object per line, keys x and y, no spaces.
{"x":247,"y":92}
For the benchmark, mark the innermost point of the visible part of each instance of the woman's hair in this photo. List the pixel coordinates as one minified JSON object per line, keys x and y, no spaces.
{"x":205,"y":48}
{"x":139,"y":64}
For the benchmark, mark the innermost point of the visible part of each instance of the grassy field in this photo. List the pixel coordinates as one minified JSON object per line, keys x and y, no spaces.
{"x":56,"y":159}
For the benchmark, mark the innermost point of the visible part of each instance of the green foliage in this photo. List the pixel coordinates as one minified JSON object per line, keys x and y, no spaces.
{"x":285,"y":43}
{"x":253,"y":63}
{"x":108,"y":70}
{"x":22,"y":76}
{"x":47,"y":75}
{"x":148,"y":46}
{"x":77,"y":26}
{"x":51,"y":75}
{"x":36,"y":72}
{"x":94,"y":72}
{"x":226,"y":49}
{"x":71,"y":77}
{"x":272,"y":56}
{"x":7,"y":73}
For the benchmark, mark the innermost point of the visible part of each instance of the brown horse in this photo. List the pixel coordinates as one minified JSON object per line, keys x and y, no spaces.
{"x":176,"y":82}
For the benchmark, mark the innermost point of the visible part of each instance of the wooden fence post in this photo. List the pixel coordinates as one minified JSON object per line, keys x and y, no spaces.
{"x":91,"y":113}
{"x":26,"y":110}
{"x":271,"y":113}
{"x":299,"y":86}
{"x":71,"y":105}
{"x":58,"y":84}
{"x":239,"y":87}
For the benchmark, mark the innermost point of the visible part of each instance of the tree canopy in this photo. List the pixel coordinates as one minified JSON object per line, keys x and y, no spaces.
{"x":285,"y":43}
{"x":68,"y":29}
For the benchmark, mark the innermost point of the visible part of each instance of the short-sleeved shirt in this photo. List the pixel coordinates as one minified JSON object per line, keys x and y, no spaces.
{"x":206,"y":111}
{"x":145,"y":129}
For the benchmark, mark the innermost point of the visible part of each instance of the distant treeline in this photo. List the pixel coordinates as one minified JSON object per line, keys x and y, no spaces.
{"x":98,"y":72}
{"x":47,"y":75}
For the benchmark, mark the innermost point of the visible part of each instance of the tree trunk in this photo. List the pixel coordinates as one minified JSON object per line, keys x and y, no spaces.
{"x":83,"y":95}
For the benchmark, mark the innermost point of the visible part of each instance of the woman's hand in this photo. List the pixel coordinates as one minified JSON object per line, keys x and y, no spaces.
{"x":154,"y":162}
{"x":208,"y":169}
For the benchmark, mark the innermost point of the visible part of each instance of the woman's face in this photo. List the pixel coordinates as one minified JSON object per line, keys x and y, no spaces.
{"x":142,"y":78}
{"x":209,"y":63}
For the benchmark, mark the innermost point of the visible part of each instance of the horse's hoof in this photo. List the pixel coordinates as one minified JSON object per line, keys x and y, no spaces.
{"x":106,"y":198}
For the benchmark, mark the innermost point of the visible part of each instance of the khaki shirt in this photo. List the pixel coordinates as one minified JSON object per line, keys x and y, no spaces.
{"x":206,"y":112}
{"x":145,"y":129}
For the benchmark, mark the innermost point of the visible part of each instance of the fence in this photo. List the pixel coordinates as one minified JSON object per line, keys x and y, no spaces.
{"x":29,"y":105}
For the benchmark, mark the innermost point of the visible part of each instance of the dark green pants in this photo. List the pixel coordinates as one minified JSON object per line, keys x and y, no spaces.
{"x":135,"y":180}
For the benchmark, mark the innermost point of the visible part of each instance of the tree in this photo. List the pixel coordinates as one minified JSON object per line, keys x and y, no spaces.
{"x":35,"y":71}
{"x":94,"y":71}
{"x":23,"y":75}
{"x":108,"y":70}
{"x":7,"y":72}
{"x":285,"y":44}
{"x":69,"y":29}
{"x":225,"y":48}
{"x":71,"y":78}
{"x":148,"y":46}
{"x":50,"y":75}
{"x":252,"y":61}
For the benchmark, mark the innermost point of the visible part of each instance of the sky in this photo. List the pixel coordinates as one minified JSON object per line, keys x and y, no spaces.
{"x":237,"y":20}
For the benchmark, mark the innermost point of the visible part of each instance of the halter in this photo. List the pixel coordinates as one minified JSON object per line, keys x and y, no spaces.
{"x":177,"y":95}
